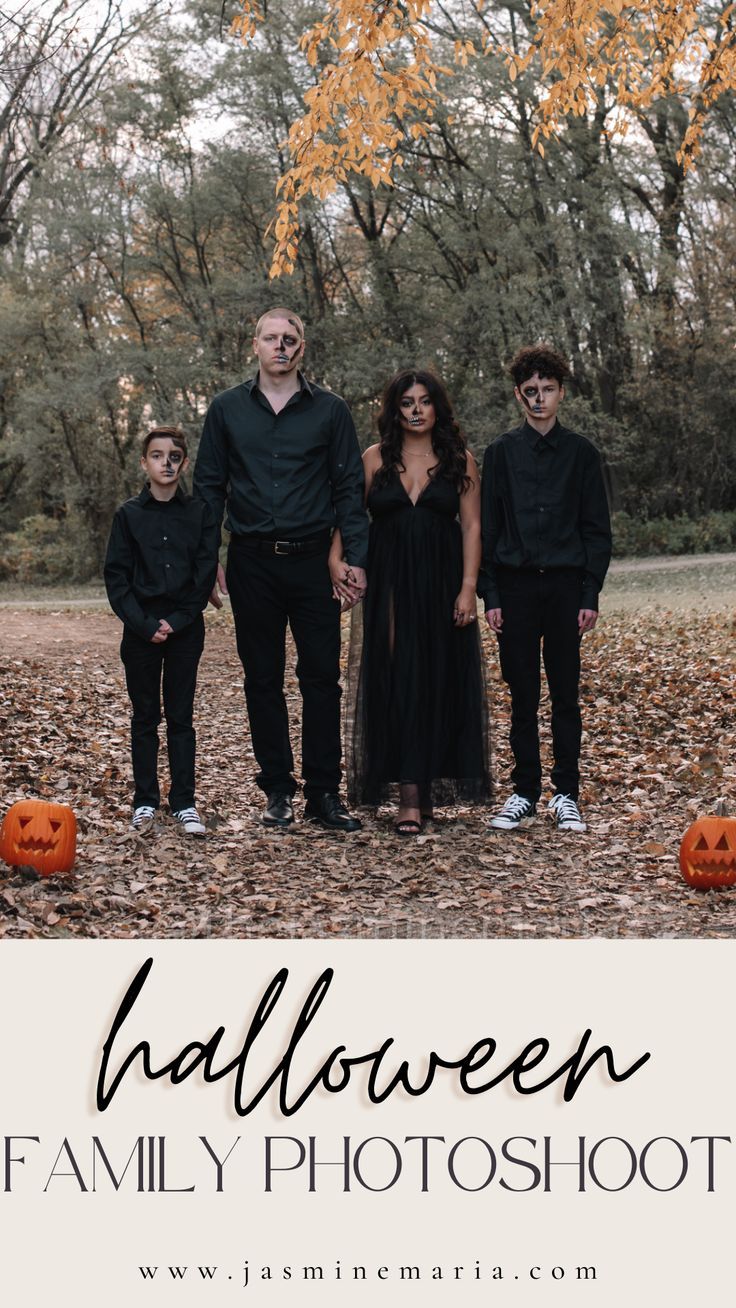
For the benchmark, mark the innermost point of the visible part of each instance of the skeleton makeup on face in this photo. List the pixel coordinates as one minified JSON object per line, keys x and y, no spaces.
{"x":288,"y":348}
{"x":416,"y":407}
{"x":531,"y":396}
{"x":279,"y":344}
{"x":167,"y":461}
{"x":540,"y":395}
{"x":163,"y":462}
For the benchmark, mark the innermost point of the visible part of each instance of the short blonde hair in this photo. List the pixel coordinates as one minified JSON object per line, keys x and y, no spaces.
{"x":279,"y":312}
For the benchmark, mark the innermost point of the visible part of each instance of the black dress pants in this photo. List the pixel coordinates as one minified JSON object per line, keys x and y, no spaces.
{"x":267,"y":590}
{"x":177,"y":659}
{"x":540,"y":607}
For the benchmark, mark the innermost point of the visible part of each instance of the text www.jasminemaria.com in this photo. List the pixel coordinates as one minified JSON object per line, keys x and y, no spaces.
{"x":264,"y":1274}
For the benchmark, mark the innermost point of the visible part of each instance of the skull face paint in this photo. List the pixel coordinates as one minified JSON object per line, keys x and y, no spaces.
{"x":287,"y":349}
{"x":416,"y":410}
{"x":279,"y":347}
{"x":540,"y":398}
{"x":163,"y":464}
{"x":531,"y":396}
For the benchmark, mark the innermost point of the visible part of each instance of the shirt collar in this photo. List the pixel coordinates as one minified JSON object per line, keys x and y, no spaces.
{"x":533,"y":436}
{"x":304,"y":387}
{"x":145,"y":496}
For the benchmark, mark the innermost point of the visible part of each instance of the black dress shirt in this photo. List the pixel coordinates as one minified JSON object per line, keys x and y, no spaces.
{"x":161,"y":561}
{"x":286,"y":475}
{"x":544,"y":505}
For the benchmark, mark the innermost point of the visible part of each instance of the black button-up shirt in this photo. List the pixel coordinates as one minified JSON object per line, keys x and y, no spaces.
{"x":544,"y":505}
{"x":285,"y":475}
{"x":161,"y":561}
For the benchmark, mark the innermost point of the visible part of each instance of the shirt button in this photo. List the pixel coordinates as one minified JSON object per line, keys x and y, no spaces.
{"x":166,"y":538}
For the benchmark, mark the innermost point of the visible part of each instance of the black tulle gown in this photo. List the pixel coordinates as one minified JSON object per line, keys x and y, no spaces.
{"x":417,"y":704}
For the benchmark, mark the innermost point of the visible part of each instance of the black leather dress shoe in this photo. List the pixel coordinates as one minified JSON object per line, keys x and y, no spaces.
{"x":279,"y":811}
{"x":331,"y":813}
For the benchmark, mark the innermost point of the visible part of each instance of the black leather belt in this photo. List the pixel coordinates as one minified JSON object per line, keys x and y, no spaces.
{"x":310,"y":545}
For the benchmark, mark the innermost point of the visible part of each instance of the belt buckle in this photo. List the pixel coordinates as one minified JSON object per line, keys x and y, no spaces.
{"x":277,"y":547}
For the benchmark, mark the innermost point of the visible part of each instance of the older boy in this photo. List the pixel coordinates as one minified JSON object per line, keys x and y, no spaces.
{"x":546,"y":549}
{"x":160,"y":567}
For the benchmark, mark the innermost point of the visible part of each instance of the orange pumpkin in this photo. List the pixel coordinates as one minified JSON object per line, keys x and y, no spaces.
{"x":708,"y":853}
{"x":39,"y":835}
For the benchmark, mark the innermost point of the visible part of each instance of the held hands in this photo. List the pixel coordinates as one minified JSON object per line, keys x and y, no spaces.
{"x":219,"y":587}
{"x":164,"y":630}
{"x":349,"y":583}
{"x":465,"y":607}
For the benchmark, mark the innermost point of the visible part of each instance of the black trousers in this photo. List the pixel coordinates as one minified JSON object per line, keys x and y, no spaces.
{"x":176,"y":660}
{"x":267,"y":591}
{"x":541,"y":608}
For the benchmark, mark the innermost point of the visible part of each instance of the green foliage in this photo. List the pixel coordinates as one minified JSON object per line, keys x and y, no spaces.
{"x":130,"y":293}
{"x":46,"y":551}
{"x":680,"y":535}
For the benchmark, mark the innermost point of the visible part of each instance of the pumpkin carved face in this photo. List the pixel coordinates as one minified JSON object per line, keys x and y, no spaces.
{"x":40,"y":835}
{"x":708,"y":853}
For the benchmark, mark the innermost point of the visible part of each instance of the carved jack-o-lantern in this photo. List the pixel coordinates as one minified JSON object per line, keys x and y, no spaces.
{"x":708,"y":853}
{"x":40,"y":835}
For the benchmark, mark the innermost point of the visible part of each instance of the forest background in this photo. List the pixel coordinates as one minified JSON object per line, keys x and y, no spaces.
{"x":139,"y":150}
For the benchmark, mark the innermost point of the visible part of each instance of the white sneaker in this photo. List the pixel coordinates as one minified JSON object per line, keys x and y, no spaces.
{"x":564,"y":810}
{"x":516,"y":812}
{"x":143,"y":819}
{"x":190,"y":822}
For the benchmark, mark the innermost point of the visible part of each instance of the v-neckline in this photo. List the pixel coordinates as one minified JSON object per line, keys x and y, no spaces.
{"x":419,"y":496}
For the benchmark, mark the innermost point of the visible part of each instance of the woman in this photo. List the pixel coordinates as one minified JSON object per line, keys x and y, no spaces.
{"x":417,"y":704}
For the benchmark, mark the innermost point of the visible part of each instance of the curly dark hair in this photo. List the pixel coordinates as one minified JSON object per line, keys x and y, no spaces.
{"x":448,"y":441}
{"x":541,"y":358}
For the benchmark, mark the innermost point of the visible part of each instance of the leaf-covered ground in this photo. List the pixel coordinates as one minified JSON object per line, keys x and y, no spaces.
{"x":659,"y":698}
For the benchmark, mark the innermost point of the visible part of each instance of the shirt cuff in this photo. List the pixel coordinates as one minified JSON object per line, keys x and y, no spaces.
{"x":146,"y":628}
{"x":181,"y":619}
{"x":490,"y":597}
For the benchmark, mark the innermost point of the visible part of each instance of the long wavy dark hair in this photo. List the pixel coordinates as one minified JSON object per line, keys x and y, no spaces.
{"x":448,"y":441}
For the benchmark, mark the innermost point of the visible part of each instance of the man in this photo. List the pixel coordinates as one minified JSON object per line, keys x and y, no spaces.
{"x":546,"y":549}
{"x":284,"y":454}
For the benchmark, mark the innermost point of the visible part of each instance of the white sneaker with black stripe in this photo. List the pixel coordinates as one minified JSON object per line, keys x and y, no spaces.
{"x":567,"y":816}
{"x":143,"y":818}
{"x":190,"y":822}
{"x":516,"y":812}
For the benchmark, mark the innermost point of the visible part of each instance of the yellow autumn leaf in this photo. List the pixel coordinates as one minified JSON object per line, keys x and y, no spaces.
{"x":383,"y":65}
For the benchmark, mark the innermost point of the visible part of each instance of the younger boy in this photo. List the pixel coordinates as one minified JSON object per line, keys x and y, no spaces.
{"x":159,"y":570}
{"x":546,"y":549}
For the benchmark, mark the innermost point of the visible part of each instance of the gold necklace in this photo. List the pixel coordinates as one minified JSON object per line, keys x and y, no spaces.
{"x":415,"y":454}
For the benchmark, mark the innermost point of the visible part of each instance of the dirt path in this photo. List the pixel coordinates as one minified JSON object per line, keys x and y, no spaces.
{"x":671,"y":563}
{"x":58,"y":634}
{"x":674,"y":581}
